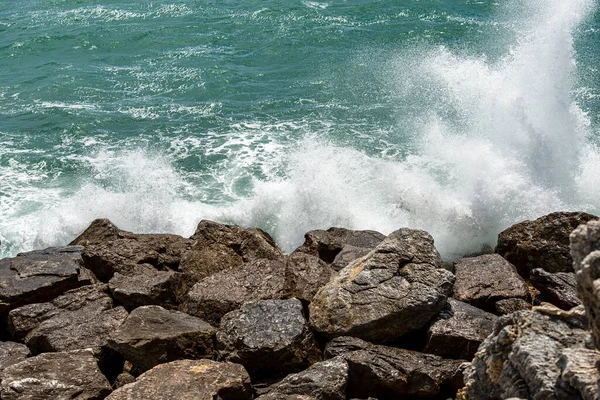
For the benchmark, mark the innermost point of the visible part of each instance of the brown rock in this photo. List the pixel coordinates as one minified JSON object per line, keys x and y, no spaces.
{"x":12,"y":353}
{"x":558,"y":289}
{"x":305,"y":275}
{"x":509,"y":306}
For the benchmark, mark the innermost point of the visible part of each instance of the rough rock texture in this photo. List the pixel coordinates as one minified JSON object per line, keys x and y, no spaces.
{"x":152,"y":335}
{"x":579,"y":368}
{"x":305,"y":275}
{"x":392,"y":373}
{"x":57,"y":376}
{"x":40,"y":276}
{"x":12,"y":353}
{"x":269,"y":337}
{"x":225,"y":291}
{"x":328,"y":244}
{"x":520,"y":358}
{"x":482,"y":281}
{"x":347,"y":255}
{"x":558,"y":289}
{"x":509,"y":306}
{"x":397,"y":288}
{"x":324,"y":380}
{"x":543,"y":243}
{"x":189,"y":380}
{"x":81,"y":318}
{"x":458,"y":330}
{"x":217,"y":247}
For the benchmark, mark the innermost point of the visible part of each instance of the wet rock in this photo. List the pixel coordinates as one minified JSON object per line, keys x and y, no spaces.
{"x":305,"y":275}
{"x":509,"y":306}
{"x":57,"y":376}
{"x":458,"y":330}
{"x":482,"y":281}
{"x":189,"y":380}
{"x":392,"y":373}
{"x":79,"y":319}
{"x":12,"y":353}
{"x":520,"y":358}
{"x":558,"y":289}
{"x":270,"y":338}
{"x":542,"y":243}
{"x":328,"y":244}
{"x":152,"y":335}
{"x":324,"y":380}
{"x":397,"y":288}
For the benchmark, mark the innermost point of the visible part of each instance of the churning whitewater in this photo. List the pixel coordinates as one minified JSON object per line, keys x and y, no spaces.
{"x":460,"y":120}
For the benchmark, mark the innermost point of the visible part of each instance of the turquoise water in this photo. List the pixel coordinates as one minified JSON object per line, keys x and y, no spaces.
{"x":458,"y":117}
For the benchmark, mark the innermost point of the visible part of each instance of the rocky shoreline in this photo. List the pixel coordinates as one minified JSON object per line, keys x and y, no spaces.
{"x":225,"y":314}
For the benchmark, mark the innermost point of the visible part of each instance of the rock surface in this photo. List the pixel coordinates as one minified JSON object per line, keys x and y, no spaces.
{"x":482,"y":281}
{"x":399,"y":287}
{"x":542,"y":243}
{"x":558,"y":289}
{"x":392,"y":373}
{"x":458,"y":330}
{"x":305,"y":275}
{"x":57,"y":376}
{"x":509,"y":306}
{"x":189,"y":380}
{"x":152,"y":335}
{"x":268,"y":337}
{"x":12,"y":353}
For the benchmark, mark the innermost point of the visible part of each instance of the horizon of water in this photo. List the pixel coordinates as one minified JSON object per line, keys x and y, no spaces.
{"x":459,"y":118}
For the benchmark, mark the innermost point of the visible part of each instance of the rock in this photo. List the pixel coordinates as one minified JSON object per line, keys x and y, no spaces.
{"x":217,"y":247}
{"x":225,"y":291}
{"x":57,"y":376}
{"x":392,"y":373}
{"x":397,"y":288}
{"x":305,"y":275}
{"x":558,"y":289}
{"x":579,"y":370}
{"x":482,"y":281}
{"x":189,"y":380}
{"x":543,"y":243}
{"x":458,"y":330}
{"x":123,"y":379}
{"x":40,"y":276}
{"x":100,"y":231}
{"x":12,"y":353}
{"x":270,"y":338}
{"x":328,"y":244}
{"x":520,"y":358}
{"x":79,"y":319}
{"x":152,"y":335}
{"x":347,"y":255}
{"x":509,"y":306}
{"x":324,"y":380}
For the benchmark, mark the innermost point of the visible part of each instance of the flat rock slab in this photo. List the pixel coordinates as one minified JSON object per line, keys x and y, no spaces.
{"x":397,"y":288}
{"x":325,"y":380}
{"x":559,"y":289}
{"x":57,"y":376}
{"x":482,"y":281}
{"x":12,"y":353}
{"x":458,"y":331}
{"x":270,"y":338}
{"x":542,"y":243}
{"x":152,"y":335}
{"x":189,"y":380}
{"x":391,"y":373}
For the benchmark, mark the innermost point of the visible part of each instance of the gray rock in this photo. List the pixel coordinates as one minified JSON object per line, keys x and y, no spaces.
{"x":392,"y":373}
{"x":509,"y":306}
{"x":152,"y":335}
{"x":558,"y":289}
{"x":123,"y":379}
{"x":270,"y":338}
{"x":57,"y":376}
{"x":12,"y":353}
{"x":324,"y":380}
{"x":482,"y":281}
{"x":579,"y":368}
{"x":397,"y":288}
{"x":458,"y":330}
{"x":542,"y":243}
{"x":347,"y":255}
{"x":305,"y":275}
{"x":189,"y":380}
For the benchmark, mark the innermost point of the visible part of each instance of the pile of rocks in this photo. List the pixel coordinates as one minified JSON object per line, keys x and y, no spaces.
{"x":226,"y":314}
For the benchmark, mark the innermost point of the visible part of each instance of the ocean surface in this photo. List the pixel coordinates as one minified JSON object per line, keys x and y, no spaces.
{"x":460,"y":117}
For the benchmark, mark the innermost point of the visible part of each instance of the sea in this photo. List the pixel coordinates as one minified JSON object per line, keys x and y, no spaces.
{"x":458,"y":117}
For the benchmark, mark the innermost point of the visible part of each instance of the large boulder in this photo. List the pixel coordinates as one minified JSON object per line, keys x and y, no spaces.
{"x":542,"y":243}
{"x":458,"y":330}
{"x":397,"y":288}
{"x":558,"y":289}
{"x":270,"y":338}
{"x":12,"y":353}
{"x":325,"y":380}
{"x":482,"y":281}
{"x":152,"y":335}
{"x":57,"y":376}
{"x":189,"y":380}
{"x":392,"y":373}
